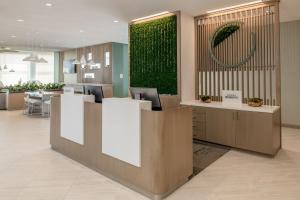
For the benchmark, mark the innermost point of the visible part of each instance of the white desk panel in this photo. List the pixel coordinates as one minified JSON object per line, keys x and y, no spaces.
{"x":121,"y":128}
{"x":72,"y":116}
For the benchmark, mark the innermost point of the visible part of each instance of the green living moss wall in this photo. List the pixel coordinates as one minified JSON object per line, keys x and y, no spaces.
{"x":153,"y":55}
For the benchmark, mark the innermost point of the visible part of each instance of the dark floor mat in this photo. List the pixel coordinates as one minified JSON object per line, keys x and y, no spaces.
{"x":205,"y":154}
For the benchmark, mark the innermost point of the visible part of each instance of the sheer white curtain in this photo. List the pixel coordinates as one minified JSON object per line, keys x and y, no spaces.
{"x":18,"y":70}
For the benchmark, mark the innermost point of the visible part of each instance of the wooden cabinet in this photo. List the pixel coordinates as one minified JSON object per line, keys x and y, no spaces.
{"x":258,"y":132}
{"x":254,"y":131}
{"x":220,"y":126}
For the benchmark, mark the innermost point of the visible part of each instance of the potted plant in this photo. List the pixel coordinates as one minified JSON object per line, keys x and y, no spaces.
{"x":53,"y":86}
{"x":15,"y":96}
{"x":16,"y":93}
{"x":255,"y":102}
{"x":205,"y":99}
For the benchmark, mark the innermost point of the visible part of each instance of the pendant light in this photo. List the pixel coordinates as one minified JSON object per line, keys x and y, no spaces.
{"x":33,"y":57}
{"x":91,"y":62}
{"x":83,"y":59}
{"x":76,"y":61}
{"x":42,"y":60}
{"x":5,"y":66}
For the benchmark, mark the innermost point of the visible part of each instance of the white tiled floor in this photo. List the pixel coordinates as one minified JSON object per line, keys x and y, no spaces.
{"x":30,"y":170}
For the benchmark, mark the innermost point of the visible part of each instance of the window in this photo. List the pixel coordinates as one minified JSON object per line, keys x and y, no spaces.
{"x":45,"y":71}
{"x":19,"y":70}
{"x":9,"y":62}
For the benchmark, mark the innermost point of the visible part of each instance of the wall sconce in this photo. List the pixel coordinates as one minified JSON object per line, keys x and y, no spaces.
{"x":107,"y":59}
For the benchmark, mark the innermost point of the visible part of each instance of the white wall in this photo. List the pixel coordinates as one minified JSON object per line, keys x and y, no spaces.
{"x":187,"y":57}
{"x":290,"y":72}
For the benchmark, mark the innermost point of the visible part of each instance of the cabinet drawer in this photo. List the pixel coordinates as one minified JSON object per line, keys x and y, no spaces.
{"x":201,"y":117}
{"x":199,"y":131}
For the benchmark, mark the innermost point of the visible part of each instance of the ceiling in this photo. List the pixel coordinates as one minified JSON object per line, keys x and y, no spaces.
{"x":58,"y":27}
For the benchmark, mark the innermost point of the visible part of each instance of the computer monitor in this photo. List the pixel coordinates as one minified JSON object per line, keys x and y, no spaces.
{"x":96,"y":91}
{"x":149,"y":94}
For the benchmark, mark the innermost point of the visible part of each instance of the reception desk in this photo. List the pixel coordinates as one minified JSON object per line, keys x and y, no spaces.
{"x":166,"y":155}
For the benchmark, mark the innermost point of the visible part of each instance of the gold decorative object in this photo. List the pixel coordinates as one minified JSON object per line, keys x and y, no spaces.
{"x":205,"y":99}
{"x":255,"y":102}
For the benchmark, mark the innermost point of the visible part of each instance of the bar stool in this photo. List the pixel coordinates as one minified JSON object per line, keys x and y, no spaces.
{"x":26,"y":105}
{"x":35,"y":107}
{"x":47,"y":106}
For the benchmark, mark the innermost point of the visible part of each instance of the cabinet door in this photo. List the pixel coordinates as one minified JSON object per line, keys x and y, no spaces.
{"x":199,"y":123}
{"x":220,"y":126}
{"x":254,"y":131}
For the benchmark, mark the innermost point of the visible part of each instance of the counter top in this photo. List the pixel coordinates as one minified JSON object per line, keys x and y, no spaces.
{"x":91,"y":84}
{"x":232,"y":106}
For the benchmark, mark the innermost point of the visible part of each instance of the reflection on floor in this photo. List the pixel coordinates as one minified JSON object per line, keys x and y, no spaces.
{"x":30,"y":170}
{"x":205,"y":154}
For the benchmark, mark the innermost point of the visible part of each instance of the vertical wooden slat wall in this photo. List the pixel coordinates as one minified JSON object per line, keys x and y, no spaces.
{"x":260,"y":76}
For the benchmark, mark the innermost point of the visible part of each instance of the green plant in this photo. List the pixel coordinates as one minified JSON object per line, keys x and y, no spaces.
{"x":204,"y":98}
{"x":53,"y":86}
{"x":255,"y":100}
{"x":153,"y":54}
{"x":226,"y":31}
{"x":25,"y":87}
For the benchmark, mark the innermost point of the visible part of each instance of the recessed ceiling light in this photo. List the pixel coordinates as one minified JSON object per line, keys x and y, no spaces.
{"x":116,"y":21}
{"x":236,"y":6}
{"x":48,"y":4}
{"x":81,"y":31}
{"x":13,"y":36}
{"x":20,"y":20}
{"x":150,"y":16}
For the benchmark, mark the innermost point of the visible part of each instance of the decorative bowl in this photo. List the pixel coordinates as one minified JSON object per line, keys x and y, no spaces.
{"x":205,"y":99}
{"x":255,"y":102}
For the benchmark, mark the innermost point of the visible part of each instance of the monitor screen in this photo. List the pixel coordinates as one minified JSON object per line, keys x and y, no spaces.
{"x":96,"y":91}
{"x":69,"y":67}
{"x":149,"y":94}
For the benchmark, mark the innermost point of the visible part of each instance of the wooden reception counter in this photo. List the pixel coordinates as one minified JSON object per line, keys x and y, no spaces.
{"x":166,"y":148}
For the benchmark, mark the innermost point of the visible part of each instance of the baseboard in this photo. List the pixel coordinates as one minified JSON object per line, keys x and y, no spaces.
{"x":291,"y":126}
